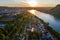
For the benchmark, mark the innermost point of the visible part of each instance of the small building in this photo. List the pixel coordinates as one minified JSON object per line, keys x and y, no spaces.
{"x":32,"y":29}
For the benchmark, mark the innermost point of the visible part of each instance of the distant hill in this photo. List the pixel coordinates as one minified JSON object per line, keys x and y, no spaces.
{"x":44,"y":9}
{"x":55,"y":11}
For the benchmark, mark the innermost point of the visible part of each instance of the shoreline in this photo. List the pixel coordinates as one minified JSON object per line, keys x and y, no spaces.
{"x":50,"y":29}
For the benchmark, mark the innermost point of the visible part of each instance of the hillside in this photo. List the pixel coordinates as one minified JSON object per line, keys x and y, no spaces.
{"x":55,"y":11}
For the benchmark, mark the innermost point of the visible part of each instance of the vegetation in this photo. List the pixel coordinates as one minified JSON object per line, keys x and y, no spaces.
{"x":55,"y":11}
{"x":35,"y":35}
{"x":51,"y":30}
{"x":12,"y":28}
{"x":16,"y":26}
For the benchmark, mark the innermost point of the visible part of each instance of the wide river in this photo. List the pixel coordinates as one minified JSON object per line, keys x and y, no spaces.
{"x":53,"y":22}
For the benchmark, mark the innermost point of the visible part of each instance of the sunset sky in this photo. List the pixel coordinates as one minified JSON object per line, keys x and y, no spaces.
{"x":28,"y":3}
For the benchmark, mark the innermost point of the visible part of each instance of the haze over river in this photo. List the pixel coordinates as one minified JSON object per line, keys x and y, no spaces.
{"x":53,"y":22}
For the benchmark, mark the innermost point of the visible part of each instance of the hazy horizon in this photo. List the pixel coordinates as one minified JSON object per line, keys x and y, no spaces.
{"x":29,"y":3}
{"x":17,"y":5}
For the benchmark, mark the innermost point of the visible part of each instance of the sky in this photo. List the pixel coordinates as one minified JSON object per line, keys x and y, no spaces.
{"x":39,"y":2}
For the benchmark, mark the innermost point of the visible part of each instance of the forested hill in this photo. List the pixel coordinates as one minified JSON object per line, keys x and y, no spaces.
{"x":55,"y":11}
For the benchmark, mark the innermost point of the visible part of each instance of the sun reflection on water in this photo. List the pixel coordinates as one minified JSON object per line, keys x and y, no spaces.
{"x":32,"y":11}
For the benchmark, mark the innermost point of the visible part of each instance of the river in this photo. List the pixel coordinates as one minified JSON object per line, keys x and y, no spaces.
{"x":54,"y":23}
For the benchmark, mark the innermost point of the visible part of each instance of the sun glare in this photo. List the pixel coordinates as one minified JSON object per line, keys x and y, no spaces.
{"x":32,"y":3}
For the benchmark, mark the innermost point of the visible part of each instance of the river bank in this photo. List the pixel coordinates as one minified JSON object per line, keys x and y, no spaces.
{"x":54,"y":23}
{"x":51,"y":30}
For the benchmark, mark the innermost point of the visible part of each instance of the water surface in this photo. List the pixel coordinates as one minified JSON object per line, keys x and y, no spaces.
{"x":54,"y":23}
